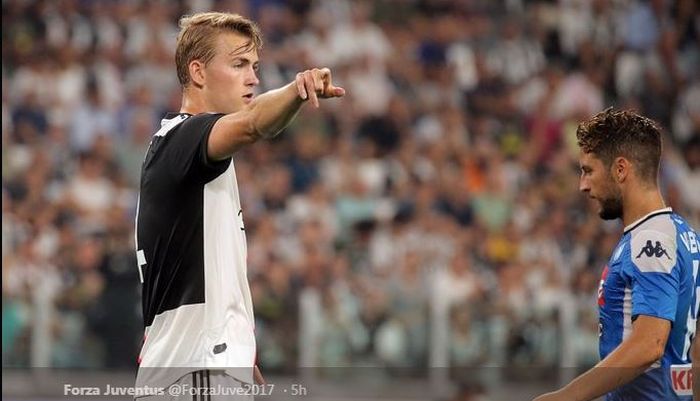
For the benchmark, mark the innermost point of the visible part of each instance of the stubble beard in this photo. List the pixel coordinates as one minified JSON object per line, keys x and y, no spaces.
{"x":611,"y":208}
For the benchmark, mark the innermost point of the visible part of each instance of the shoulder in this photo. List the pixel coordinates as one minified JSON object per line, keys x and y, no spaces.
{"x":653,"y":244}
{"x":687,"y":235}
{"x":201,"y":121}
{"x":175,"y":123}
{"x":169,"y":123}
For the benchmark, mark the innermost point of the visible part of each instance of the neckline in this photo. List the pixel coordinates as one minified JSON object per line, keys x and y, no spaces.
{"x":666,"y":210}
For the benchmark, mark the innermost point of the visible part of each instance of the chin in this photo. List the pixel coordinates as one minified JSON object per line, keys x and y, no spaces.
{"x":239,"y":106}
{"x":608,"y":215}
{"x":610,"y":209}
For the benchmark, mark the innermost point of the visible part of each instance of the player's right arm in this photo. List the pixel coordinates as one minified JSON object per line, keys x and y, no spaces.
{"x":269,"y":113}
{"x":632,"y":357}
{"x":654,"y":280}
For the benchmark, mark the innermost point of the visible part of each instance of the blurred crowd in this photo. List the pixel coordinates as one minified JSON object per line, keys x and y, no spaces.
{"x":447,"y":176}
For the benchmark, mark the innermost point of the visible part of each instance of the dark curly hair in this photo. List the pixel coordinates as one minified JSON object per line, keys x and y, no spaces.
{"x":610,"y":134}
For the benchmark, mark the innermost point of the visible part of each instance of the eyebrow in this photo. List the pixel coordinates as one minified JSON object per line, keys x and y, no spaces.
{"x":243,"y":59}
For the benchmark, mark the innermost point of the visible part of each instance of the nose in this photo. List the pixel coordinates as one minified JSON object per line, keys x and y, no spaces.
{"x":583,"y":185}
{"x":252,"y":79}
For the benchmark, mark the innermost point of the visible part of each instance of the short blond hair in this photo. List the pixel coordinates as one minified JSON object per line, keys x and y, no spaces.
{"x":196,"y":40}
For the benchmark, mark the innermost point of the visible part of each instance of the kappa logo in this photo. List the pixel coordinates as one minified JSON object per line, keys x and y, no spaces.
{"x":650,"y":250}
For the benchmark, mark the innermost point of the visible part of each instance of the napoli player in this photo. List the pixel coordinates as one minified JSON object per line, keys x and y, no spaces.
{"x":648,"y":293}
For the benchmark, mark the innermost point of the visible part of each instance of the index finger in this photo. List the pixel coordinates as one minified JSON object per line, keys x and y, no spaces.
{"x":310,"y":88}
{"x":325,"y":73}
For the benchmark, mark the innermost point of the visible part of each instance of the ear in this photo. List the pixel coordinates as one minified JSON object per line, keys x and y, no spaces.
{"x":620,"y":169}
{"x":197,"y":73}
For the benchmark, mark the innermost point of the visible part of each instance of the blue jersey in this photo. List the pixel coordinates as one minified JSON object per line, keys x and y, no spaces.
{"x":653,"y":272}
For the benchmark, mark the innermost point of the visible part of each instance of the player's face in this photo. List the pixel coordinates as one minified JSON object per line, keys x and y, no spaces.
{"x":231,"y":75}
{"x":597,"y":182}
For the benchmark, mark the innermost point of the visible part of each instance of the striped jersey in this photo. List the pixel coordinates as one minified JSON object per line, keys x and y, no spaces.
{"x":191,"y":249}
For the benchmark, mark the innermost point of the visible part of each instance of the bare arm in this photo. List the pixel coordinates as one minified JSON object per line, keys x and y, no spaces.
{"x":632,"y":357}
{"x":269,"y":113}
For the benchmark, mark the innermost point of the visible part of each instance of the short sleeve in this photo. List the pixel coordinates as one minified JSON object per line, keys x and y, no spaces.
{"x":187,"y":149}
{"x":655,"y":278}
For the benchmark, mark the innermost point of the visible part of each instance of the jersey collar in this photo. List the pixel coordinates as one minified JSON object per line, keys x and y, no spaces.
{"x":666,"y":210}
{"x":170,"y":115}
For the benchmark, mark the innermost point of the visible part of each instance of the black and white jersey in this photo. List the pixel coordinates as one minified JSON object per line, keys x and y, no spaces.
{"x":191,"y":249}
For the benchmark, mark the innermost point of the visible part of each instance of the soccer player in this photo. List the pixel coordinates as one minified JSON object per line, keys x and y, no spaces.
{"x":647,"y":296}
{"x":190,"y":238}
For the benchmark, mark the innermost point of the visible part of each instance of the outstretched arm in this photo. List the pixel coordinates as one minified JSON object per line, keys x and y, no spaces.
{"x":632,"y":357}
{"x":269,"y":113}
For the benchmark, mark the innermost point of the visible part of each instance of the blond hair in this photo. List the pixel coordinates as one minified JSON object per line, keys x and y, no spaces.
{"x":197,"y":38}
